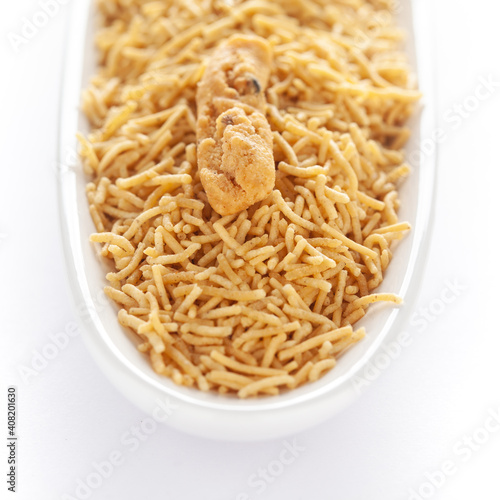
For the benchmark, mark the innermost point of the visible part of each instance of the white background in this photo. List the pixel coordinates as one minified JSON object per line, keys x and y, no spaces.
{"x":407,"y":425}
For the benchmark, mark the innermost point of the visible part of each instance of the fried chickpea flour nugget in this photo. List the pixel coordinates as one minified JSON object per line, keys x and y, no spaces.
{"x":235,"y":144}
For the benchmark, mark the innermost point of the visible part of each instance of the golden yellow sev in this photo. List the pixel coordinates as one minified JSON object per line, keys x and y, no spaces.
{"x":264,"y":300}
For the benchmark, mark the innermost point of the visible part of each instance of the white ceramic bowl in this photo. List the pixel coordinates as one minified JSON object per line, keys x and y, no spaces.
{"x":114,"y":349}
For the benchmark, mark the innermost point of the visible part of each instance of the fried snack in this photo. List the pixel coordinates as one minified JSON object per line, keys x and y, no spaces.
{"x":235,"y":142}
{"x":264,"y":300}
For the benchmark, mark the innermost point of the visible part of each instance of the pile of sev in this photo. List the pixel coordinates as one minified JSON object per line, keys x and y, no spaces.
{"x":265,"y":300}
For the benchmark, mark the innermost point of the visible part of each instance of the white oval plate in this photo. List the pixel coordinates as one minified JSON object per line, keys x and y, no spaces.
{"x":114,"y":349}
